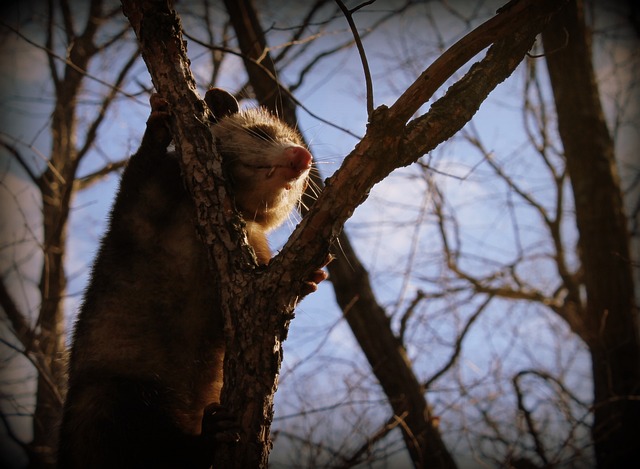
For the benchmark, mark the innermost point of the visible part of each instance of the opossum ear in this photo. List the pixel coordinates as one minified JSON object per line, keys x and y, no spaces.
{"x":221,"y":103}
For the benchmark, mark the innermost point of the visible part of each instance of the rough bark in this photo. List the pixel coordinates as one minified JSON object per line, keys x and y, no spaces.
{"x":254,"y":327}
{"x":257,"y":323}
{"x":367,"y":319}
{"x":609,"y":325}
{"x":365,"y":316}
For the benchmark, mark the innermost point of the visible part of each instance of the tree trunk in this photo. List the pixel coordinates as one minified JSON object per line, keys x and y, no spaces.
{"x":367,"y":319}
{"x":256,"y":323}
{"x":56,"y":186}
{"x":610,"y":325}
{"x":389,"y":362}
{"x":259,"y":66}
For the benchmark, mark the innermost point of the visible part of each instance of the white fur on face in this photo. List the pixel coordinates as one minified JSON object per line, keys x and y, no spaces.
{"x":266,"y":162}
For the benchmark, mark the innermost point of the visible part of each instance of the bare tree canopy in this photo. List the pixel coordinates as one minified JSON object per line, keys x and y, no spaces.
{"x":482,"y":307}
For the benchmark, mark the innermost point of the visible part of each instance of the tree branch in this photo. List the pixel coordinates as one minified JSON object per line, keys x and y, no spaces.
{"x":386,"y":146}
{"x":363,"y":56}
{"x":51,"y":55}
{"x":458,"y":345}
{"x":86,"y":181}
{"x":29,"y":339}
{"x":530,"y":421}
{"x":106,"y":102}
{"x":23,"y":164}
{"x":381,"y":150}
{"x":19,"y":324}
{"x":521,"y":15}
{"x":359,"y":455}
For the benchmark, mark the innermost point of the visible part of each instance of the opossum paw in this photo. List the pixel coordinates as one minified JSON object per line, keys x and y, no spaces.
{"x":158,"y":121}
{"x":311,"y":283}
{"x":220,"y":424}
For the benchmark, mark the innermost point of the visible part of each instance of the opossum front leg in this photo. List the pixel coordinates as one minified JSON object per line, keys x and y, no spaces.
{"x":157,"y":135}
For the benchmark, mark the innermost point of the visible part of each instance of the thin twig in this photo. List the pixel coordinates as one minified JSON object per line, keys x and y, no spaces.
{"x":52,"y":55}
{"x":88,"y":180}
{"x":458,"y":345}
{"x":18,"y":157}
{"x":363,"y":55}
{"x":268,"y":73}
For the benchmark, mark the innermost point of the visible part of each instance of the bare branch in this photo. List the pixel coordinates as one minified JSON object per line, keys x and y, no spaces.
{"x":490,"y":160}
{"x":275,"y":80}
{"x":39,"y":362}
{"x":28,"y":338}
{"x":540,"y":450}
{"x":106,"y":102}
{"x":363,"y":55}
{"x":49,"y":45}
{"x":344,"y":45}
{"x":21,"y":329}
{"x":508,"y":22}
{"x":409,"y":313}
{"x":68,"y":62}
{"x":91,"y":178}
{"x":458,"y":345}
{"x":300,"y":30}
{"x":23,"y":164}
{"x":357,"y":456}
{"x":483,"y":285}
{"x":67,"y":19}
{"x":11,"y":434}
{"x":380,"y":151}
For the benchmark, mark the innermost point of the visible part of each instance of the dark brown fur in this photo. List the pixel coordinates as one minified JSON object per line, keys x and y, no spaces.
{"x":145,"y":369}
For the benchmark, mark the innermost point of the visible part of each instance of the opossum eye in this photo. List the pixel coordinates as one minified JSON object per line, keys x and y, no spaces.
{"x":263,"y":133}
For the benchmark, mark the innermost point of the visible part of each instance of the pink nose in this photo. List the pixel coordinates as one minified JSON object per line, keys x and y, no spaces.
{"x":298,"y":158}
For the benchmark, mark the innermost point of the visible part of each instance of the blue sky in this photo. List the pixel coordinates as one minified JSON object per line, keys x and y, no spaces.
{"x":323,"y":365}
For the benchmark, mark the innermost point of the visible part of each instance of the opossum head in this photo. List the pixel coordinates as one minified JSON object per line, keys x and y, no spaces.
{"x":265,"y":160}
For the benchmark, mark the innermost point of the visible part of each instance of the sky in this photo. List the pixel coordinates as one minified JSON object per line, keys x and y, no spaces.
{"x":382,"y":228}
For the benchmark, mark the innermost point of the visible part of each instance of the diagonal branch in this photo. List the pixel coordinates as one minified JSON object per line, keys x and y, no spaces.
{"x":23,"y":164}
{"x":458,"y":345}
{"x":359,"y":455}
{"x":387,"y":145}
{"x":21,"y":329}
{"x":28,"y":338}
{"x":114,"y":89}
{"x":86,"y":181}
{"x":521,"y":15}
{"x":53,"y":57}
{"x":530,"y":421}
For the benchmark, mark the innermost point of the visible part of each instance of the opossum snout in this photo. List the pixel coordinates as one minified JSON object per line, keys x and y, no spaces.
{"x":298,"y":159}
{"x":291,"y":164}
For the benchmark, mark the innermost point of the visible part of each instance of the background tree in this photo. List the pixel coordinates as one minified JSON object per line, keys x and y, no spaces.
{"x":472,"y":316}
{"x":607,"y":319}
{"x":39,"y":334}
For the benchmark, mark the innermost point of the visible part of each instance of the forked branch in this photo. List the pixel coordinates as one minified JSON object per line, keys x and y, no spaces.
{"x":388,"y":144}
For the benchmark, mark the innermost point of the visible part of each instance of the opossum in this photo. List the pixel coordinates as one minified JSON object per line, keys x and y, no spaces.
{"x":145,"y":368}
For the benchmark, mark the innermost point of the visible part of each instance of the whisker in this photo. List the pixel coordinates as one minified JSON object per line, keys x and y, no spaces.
{"x":324,"y":162}
{"x":315,"y":189}
{"x":303,"y":205}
